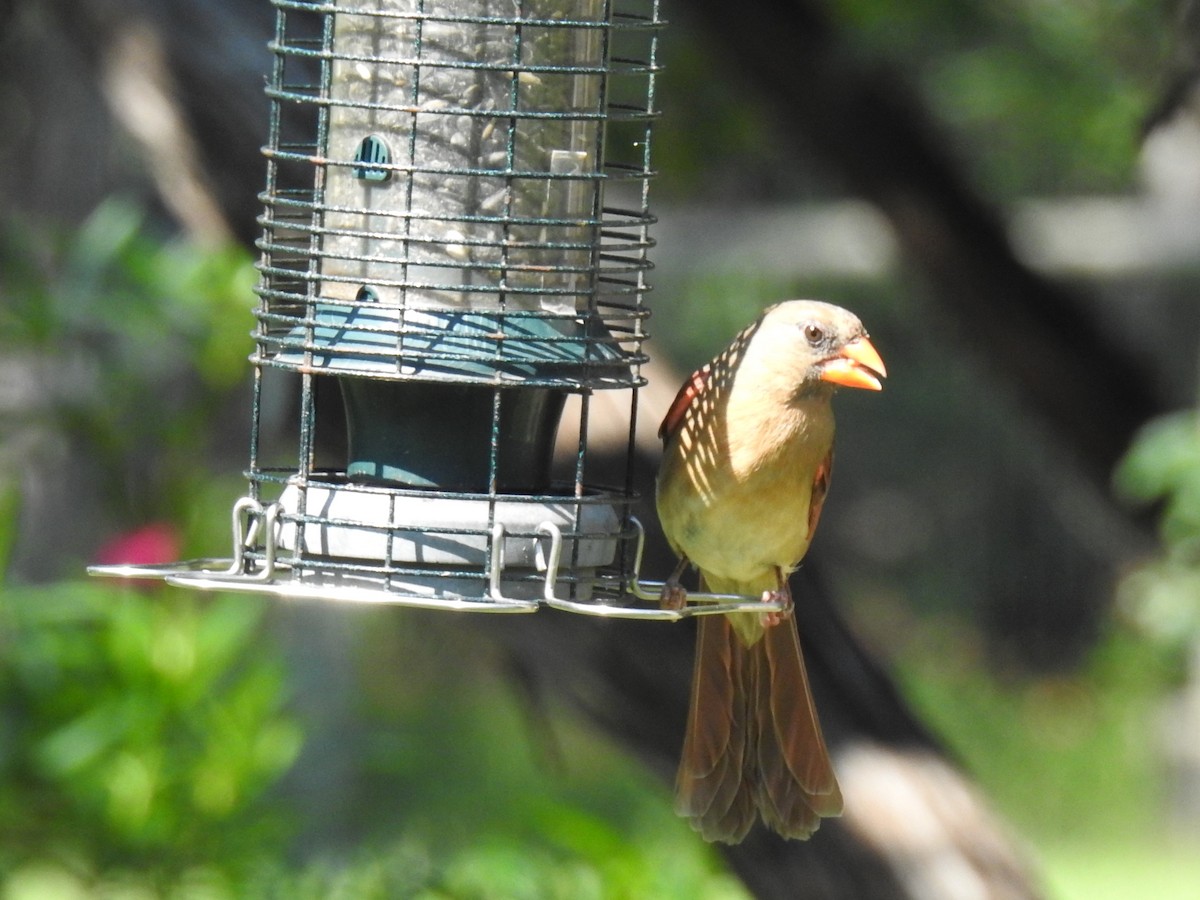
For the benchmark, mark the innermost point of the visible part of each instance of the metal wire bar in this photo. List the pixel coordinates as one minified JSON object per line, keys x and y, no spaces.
{"x":457,"y":198}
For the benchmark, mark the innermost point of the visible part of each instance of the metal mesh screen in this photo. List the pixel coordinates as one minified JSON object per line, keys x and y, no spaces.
{"x":455,"y":239}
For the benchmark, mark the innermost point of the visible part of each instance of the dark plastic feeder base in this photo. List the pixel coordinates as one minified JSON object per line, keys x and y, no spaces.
{"x":419,"y":395}
{"x":430,"y":435}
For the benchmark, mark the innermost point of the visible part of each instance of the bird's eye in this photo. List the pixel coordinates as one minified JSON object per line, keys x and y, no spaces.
{"x":814,"y":333}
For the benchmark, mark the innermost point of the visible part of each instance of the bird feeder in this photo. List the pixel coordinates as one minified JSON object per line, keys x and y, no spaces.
{"x":454,"y":246}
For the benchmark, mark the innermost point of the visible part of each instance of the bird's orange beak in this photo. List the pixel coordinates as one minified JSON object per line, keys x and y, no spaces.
{"x":857,"y":366}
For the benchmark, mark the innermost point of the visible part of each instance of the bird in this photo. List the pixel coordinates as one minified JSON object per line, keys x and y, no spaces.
{"x":747,"y":458}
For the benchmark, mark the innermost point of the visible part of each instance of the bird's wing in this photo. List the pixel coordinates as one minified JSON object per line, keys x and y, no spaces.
{"x":820,"y":488}
{"x":692,"y":388}
{"x":700,"y":382}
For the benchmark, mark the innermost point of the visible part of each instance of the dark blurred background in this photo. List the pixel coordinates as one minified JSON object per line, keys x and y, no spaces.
{"x":1004,"y":613}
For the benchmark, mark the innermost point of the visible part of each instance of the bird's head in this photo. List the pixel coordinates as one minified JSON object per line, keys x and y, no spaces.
{"x":819,"y":344}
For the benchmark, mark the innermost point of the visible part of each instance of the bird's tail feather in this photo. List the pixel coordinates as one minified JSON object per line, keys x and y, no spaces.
{"x":753,"y":744}
{"x":708,"y":787}
{"x":794,"y":785}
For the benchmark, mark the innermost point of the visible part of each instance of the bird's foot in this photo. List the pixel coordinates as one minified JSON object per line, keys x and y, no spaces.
{"x":674,"y":595}
{"x":775,"y":617}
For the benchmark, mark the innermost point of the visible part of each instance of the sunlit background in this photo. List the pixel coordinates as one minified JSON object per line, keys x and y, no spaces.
{"x":1027,"y":577}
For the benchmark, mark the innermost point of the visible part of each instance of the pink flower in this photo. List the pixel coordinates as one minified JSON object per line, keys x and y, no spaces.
{"x":152,"y":544}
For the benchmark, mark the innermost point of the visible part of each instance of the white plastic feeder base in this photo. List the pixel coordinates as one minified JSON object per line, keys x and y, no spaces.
{"x":409,"y":531}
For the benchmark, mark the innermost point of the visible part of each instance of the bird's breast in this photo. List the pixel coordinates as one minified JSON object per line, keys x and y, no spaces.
{"x":733,"y":495}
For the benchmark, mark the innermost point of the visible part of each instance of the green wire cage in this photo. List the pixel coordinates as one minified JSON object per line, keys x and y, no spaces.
{"x":455,"y":239}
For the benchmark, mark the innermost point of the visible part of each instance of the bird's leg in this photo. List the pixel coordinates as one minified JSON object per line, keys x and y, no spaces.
{"x":784,"y":593}
{"x":674,"y":594}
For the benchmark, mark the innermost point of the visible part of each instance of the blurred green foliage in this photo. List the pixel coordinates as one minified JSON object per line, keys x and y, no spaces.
{"x":139,"y":729}
{"x":143,"y":729}
{"x":524,"y":796}
{"x":1038,"y":98}
{"x":141,"y":732}
{"x":1030,"y":98}
{"x":147,"y":305}
{"x":1081,"y":761}
{"x":112,"y":321}
{"x":1066,"y":758}
{"x":459,"y":797}
{"x":1163,"y":596}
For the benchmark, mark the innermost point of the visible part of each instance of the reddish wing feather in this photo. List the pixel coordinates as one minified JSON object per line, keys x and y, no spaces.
{"x":819,"y":489}
{"x":692,"y":388}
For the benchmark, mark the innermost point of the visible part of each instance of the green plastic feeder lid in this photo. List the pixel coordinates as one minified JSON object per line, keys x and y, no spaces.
{"x":457,"y":345}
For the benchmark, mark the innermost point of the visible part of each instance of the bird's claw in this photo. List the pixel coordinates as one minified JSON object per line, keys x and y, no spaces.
{"x":674,"y":595}
{"x":775,"y":617}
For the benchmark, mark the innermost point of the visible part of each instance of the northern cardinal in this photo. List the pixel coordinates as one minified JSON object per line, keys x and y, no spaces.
{"x":746,"y":465}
